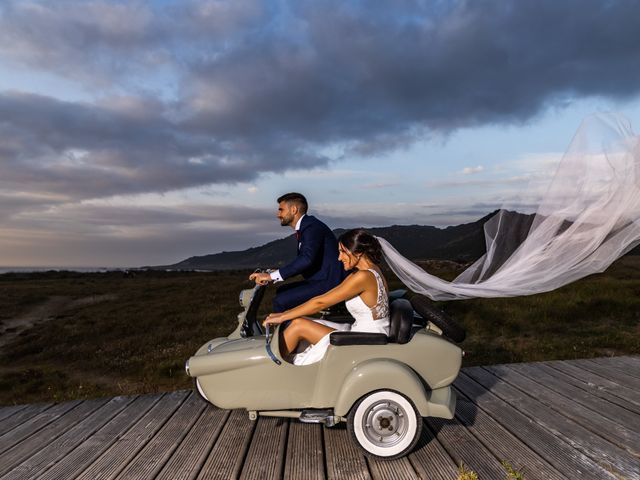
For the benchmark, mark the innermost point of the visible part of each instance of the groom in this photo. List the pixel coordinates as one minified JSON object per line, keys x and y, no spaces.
{"x":317,"y":259}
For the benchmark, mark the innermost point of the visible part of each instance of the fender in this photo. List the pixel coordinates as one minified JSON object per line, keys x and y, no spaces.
{"x":381,"y":374}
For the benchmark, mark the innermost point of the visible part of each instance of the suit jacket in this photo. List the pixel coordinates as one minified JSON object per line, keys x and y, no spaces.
{"x":317,"y":258}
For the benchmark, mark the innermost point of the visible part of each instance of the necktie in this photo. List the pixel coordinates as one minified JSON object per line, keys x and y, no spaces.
{"x":297,"y":235}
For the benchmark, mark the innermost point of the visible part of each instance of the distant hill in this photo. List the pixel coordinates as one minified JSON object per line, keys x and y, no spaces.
{"x":462,"y":243}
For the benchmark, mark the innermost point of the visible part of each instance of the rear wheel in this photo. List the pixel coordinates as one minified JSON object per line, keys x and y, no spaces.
{"x":385,"y":424}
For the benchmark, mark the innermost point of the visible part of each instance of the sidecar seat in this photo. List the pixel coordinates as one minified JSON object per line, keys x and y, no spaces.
{"x":401,"y":321}
{"x":400,"y":328}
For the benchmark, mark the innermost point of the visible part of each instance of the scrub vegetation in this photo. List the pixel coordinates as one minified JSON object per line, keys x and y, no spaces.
{"x":72,"y":335}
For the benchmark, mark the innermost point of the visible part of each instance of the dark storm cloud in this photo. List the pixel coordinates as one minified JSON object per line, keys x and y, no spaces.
{"x":256,"y":89}
{"x":357,"y":72}
{"x":88,"y":151}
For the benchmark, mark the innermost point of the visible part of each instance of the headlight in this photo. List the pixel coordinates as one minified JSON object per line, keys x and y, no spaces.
{"x":186,"y":367}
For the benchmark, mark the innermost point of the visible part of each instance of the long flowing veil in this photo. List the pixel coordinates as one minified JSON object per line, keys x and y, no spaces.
{"x":589,"y":217}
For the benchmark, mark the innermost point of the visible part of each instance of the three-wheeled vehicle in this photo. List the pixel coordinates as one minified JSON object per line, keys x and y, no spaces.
{"x":380,"y":385}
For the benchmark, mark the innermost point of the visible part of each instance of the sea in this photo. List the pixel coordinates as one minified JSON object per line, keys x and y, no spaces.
{"x":60,"y":269}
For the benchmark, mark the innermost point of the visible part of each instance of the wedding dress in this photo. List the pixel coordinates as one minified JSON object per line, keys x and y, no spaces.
{"x":371,"y":319}
{"x":367,"y":319}
{"x":588,"y":218}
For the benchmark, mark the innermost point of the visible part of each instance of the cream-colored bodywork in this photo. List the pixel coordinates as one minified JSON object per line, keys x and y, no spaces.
{"x":238,"y":373}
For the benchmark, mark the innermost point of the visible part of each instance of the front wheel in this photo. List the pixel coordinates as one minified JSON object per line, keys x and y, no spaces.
{"x":385,"y":424}
{"x":198,"y":388}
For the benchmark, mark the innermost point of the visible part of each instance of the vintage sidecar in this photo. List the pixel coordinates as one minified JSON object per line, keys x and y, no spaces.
{"x":381,"y":386}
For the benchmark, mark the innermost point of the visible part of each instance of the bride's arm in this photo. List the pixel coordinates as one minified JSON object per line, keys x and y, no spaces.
{"x":351,"y":286}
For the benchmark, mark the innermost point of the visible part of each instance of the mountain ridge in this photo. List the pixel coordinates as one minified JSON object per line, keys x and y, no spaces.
{"x":462,"y":243}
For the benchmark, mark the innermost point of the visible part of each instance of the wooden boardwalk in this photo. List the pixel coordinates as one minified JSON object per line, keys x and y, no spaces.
{"x":571,"y":419}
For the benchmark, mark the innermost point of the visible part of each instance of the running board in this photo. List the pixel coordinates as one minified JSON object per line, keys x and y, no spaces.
{"x":325,"y":416}
{"x":319,"y":416}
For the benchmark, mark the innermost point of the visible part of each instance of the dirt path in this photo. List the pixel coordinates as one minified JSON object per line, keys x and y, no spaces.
{"x":49,"y":309}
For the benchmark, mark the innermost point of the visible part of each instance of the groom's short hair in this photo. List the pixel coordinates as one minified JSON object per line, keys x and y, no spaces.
{"x":296,"y":198}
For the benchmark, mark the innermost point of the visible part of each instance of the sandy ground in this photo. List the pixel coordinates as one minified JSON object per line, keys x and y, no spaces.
{"x":52,"y":307}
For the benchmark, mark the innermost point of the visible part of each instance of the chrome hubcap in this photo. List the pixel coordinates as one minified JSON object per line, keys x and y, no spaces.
{"x":385,"y":423}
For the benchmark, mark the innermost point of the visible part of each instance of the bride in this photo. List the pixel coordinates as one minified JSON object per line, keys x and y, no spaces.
{"x":365,"y":292}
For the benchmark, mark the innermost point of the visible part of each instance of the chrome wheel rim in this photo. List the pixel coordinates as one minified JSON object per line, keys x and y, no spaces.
{"x":384,"y":423}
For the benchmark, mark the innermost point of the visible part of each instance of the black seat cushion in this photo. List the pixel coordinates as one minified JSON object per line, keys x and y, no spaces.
{"x":401,"y":321}
{"x":357,"y":338}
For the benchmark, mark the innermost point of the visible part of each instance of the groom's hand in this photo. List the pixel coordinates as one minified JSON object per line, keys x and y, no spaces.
{"x":261,"y":278}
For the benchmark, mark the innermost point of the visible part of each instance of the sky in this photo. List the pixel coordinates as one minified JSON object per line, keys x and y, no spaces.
{"x":142,"y":133}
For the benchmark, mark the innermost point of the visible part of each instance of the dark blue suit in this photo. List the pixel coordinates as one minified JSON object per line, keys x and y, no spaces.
{"x":317,"y":262}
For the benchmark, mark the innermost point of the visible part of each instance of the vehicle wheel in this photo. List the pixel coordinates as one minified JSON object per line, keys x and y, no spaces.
{"x":385,"y":424}
{"x":198,"y":389}
{"x":450,"y":328}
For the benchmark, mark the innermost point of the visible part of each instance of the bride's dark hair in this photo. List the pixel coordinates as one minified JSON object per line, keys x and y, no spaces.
{"x":360,"y":241}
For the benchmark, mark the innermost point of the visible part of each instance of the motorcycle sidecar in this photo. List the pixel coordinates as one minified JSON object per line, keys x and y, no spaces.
{"x":381,"y":386}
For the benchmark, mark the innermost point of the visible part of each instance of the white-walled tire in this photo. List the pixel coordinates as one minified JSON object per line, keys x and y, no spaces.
{"x":385,"y":424}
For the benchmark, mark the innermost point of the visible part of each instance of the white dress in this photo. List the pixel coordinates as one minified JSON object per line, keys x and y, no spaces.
{"x":367,"y":319}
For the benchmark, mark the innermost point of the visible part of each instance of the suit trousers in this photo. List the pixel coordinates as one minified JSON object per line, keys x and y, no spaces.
{"x":296,"y":293}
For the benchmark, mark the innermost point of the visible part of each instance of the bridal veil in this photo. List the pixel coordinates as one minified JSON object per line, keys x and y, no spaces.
{"x":589,"y":217}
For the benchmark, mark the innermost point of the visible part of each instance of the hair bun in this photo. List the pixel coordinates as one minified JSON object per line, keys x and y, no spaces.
{"x":360,"y":241}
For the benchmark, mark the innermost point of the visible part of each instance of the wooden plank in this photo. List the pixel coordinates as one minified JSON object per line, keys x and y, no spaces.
{"x":628,"y":398}
{"x":398,"y":469}
{"x":613,"y":373}
{"x":71,"y":465}
{"x":20,"y":417}
{"x":125,"y":448}
{"x":157,"y":451}
{"x":558,"y":383}
{"x":345,"y":460}
{"x":6,"y":412}
{"x":430,"y":459}
{"x":187,"y":461}
{"x":610,"y":456}
{"x":265,"y":457}
{"x":33,"y":443}
{"x":628,"y":365}
{"x":563,"y":456}
{"x":35,"y":423}
{"x":504,"y":445}
{"x":630,"y":359}
{"x":465,"y":449}
{"x":590,"y":419}
{"x":227,"y":456}
{"x":45,"y":457}
{"x":304,"y":456}
{"x":633,"y":358}
{"x":589,"y":387}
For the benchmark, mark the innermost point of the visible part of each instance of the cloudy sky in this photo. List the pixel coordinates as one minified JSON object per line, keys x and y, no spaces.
{"x":137,"y":133}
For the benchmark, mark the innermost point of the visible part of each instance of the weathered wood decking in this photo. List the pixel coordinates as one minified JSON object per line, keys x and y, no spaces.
{"x":572,"y":419}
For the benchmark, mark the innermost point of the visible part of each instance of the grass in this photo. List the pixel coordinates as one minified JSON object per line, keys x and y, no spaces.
{"x":138,"y":330}
{"x":511,"y":473}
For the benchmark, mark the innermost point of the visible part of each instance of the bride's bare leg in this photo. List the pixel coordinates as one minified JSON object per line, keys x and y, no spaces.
{"x":302,"y":329}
